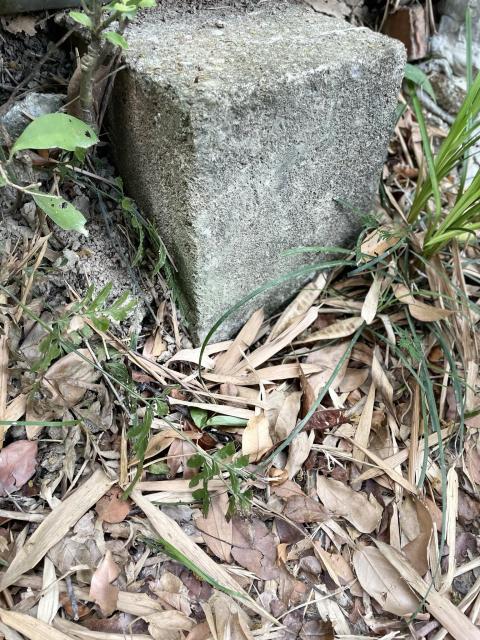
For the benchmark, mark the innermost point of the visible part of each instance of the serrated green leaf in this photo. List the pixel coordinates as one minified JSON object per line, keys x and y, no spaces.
{"x":418,"y":77}
{"x":61,"y":212}
{"x":159,"y":469}
{"x":101,"y":323}
{"x":116,"y":39}
{"x":81,"y":18}
{"x":55,"y":130}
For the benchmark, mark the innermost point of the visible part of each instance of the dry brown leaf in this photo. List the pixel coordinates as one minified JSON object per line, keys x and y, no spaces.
{"x":416,"y":550}
{"x":255,"y":547}
{"x":215,"y":529}
{"x":327,"y":358}
{"x":17,"y":465}
{"x":339,"y":329}
{"x":379,"y":241}
{"x":227,"y":361}
{"x":419,"y":310}
{"x":269,"y":349}
{"x":454,"y":621}
{"x":31,"y":628}
{"x":226,"y":619}
{"x":20,"y":24}
{"x":168,"y":625}
{"x":49,"y":602}
{"x":256,"y":440}
{"x":102,"y":591}
{"x":174,"y":534}
{"x":298,"y":452}
{"x":172,"y":593}
{"x":193,"y":355}
{"x":288,"y":414}
{"x":302,"y":509}
{"x":336,"y":566}
{"x":78,"y":632}
{"x":236,"y":412}
{"x":362,"y":433}
{"x":370,"y":305}
{"x":56,"y":525}
{"x":67,"y":378}
{"x":299,"y":305}
{"x":341,"y":501}
{"x":383,"y":582}
{"x":111,"y":508}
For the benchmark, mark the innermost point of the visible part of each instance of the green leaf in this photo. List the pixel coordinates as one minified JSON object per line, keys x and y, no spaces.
{"x":81,"y":18}
{"x":61,"y":212}
{"x":147,"y":4}
{"x":418,"y":77}
{"x":3,"y":182}
{"x":199,"y":417}
{"x":195,"y":461}
{"x":225,"y":421}
{"x":124,"y":8}
{"x":56,"y":130}
{"x":159,"y":469}
{"x":116,"y":39}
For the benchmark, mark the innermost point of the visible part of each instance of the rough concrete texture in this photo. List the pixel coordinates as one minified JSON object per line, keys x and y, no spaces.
{"x":239,"y":133}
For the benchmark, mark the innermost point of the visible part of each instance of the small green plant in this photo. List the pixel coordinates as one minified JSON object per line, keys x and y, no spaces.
{"x":214,"y":465}
{"x":91,"y":307}
{"x":105,"y":24}
{"x":51,"y":131}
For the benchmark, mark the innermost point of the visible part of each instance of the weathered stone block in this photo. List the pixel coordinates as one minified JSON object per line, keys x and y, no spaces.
{"x":251,"y":134}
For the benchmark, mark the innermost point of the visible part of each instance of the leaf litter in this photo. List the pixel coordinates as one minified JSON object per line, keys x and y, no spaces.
{"x":255,"y":513}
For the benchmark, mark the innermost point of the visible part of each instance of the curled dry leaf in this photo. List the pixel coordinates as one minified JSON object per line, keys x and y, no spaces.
{"x":226,"y":619}
{"x":342,"y":501}
{"x":298,"y":452}
{"x":215,"y":529}
{"x":383,"y":582}
{"x":288,"y":414}
{"x":256,"y":440}
{"x":111,"y":508}
{"x":420,"y":310}
{"x":17,"y":465}
{"x":102,"y":591}
{"x":68,"y":377}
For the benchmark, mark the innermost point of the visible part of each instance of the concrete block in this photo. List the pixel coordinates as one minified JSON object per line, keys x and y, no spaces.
{"x":245,"y":135}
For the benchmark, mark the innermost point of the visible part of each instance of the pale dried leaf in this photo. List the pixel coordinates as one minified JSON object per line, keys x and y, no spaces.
{"x":383,"y":582}
{"x":370,"y":305}
{"x":298,"y":452}
{"x":340,"y":500}
{"x":226,"y":619}
{"x":17,"y":465}
{"x":256,"y":440}
{"x":299,"y":305}
{"x":288,"y":414}
{"x":215,"y":529}
{"x":67,"y":378}
{"x":31,"y":628}
{"x":102,"y":591}
{"x":193,"y":355}
{"x":56,"y":525}
{"x":111,"y":508}
{"x":447,"y":614}
{"x":339,"y":329}
{"x":49,"y":602}
{"x":227,"y":361}
{"x":362,"y":433}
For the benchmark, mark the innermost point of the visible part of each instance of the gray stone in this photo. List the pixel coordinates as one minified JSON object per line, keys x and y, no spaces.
{"x":34,"y":105}
{"x":245,"y":135}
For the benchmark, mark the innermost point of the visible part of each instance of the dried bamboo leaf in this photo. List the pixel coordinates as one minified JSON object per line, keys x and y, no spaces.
{"x":268,"y":350}
{"x":236,"y":412}
{"x":3,"y":381}
{"x":339,"y":329}
{"x":454,"y":621}
{"x":301,"y":304}
{"x":56,"y":525}
{"x":267,"y":374}
{"x":50,"y":600}
{"x":370,"y":305}
{"x":78,"y":632}
{"x":451,"y":519}
{"x":256,"y":440}
{"x":362,"y":434}
{"x":31,"y":628}
{"x":234,"y":354}
{"x":170,"y":531}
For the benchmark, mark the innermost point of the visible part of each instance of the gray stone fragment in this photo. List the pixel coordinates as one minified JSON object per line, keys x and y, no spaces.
{"x":245,"y":135}
{"x":34,"y":105}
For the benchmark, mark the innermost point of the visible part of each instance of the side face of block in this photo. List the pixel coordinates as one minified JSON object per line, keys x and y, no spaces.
{"x":248,"y":140}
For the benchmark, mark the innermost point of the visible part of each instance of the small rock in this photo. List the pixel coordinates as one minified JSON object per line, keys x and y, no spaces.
{"x":34,"y":105}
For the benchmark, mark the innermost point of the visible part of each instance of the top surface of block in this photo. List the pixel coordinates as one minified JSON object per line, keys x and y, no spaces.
{"x":220,"y":52}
